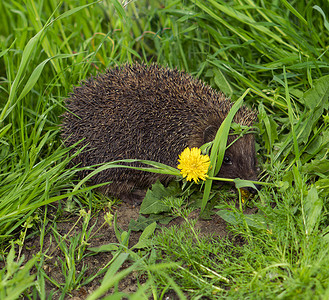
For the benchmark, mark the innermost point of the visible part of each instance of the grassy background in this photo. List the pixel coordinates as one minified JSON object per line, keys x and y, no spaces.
{"x":278,"y":49}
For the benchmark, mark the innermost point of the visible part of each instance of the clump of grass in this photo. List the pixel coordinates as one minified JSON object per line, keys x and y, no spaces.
{"x":271,"y":253}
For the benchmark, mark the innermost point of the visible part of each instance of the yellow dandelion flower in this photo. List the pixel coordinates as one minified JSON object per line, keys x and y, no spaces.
{"x":193,"y":164}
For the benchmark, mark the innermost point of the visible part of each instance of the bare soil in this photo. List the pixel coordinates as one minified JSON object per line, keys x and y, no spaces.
{"x":106,"y":235}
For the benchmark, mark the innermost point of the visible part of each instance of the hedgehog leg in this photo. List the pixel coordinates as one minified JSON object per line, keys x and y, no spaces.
{"x":135,"y":198}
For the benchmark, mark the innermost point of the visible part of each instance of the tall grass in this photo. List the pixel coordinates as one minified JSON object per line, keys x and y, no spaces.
{"x":277,"y":49}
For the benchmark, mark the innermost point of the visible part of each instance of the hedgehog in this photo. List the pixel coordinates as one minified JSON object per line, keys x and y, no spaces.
{"x":150,"y":112}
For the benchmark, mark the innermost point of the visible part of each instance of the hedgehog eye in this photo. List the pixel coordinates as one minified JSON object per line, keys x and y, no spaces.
{"x":227,"y":160}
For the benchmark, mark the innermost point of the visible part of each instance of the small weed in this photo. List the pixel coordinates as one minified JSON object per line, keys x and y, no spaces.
{"x":15,"y":276}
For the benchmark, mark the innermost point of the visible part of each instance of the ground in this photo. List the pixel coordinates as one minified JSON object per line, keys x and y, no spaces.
{"x":125,"y":212}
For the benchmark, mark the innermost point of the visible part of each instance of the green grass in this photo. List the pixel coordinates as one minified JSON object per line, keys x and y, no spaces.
{"x":277,"y":49}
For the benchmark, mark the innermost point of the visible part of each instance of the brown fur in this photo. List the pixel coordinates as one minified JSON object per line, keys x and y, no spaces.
{"x":153,"y":113}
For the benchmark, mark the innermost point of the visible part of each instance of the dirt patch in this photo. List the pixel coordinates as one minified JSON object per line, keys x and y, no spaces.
{"x":91,"y":264}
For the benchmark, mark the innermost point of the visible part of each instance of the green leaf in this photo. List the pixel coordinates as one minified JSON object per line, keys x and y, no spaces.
{"x":119,"y":9}
{"x":114,"y":267}
{"x":219,"y":147}
{"x":104,"y":248}
{"x":144,"y":239}
{"x":313,"y":206}
{"x":316,"y":100}
{"x":75,"y":10}
{"x":317,"y":96}
{"x":317,"y":166}
{"x":152,"y":203}
{"x":27,"y":52}
{"x":37,"y":73}
{"x":5,"y":129}
{"x":112,"y":278}
{"x":323,"y":186}
{"x":270,"y":134}
{"x":235,"y":218}
{"x":142,"y":222}
{"x":294,"y":11}
{"x":325,"y":22}
{"x":222,"y":82}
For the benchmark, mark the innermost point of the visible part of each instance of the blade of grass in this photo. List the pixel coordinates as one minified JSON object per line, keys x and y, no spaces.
{"x":219,"y":147}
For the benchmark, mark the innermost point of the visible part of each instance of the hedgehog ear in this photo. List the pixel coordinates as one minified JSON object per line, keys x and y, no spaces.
{"x":209,"y":133}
